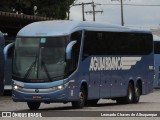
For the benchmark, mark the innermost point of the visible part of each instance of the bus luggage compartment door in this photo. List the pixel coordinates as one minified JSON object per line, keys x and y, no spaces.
{"x":94,"y":85}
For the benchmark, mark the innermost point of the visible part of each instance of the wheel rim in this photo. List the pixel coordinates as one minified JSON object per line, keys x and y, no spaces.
{"x":130,"y":94}
{"x":137,"y":92}
{"x":81,"y":97}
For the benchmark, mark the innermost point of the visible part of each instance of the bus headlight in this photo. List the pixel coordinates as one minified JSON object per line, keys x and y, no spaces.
{"x":60,"y":87}
{"x":16,"y":87}
{"x":57,"y":87}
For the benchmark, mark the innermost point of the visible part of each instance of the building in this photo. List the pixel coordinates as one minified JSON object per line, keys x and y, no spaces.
{"x":11,"y":23}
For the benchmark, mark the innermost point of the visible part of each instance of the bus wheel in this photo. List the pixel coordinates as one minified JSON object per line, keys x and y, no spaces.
{"x":129,"y":98}
{"x":137,"y":94}
{"x":33,"y":105}
{"x":82,"y":98}
{"x":92,"y":102}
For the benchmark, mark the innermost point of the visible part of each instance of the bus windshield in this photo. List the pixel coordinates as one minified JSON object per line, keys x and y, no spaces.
{"x":40,"y":59}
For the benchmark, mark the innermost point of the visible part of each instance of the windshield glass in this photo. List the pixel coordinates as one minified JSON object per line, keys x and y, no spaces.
{"x":40,"y":59}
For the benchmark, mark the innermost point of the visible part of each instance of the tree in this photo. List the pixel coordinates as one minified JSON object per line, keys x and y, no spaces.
{"x":54,"y":8}
{"x":48,"y":8}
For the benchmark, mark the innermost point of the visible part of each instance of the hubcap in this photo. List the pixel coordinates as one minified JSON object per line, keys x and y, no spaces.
{"x":137,"y":92}
{"x":130,"y":94}
{"x":81,"y":97}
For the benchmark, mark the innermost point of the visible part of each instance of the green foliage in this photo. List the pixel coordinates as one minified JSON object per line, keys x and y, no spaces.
{"x":48,"y":8}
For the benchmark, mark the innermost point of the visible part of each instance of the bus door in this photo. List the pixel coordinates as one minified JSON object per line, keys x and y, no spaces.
{"x":89,"y":57}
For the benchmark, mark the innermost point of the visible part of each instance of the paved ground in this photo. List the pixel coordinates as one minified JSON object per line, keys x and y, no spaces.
{"x":150,"y":102}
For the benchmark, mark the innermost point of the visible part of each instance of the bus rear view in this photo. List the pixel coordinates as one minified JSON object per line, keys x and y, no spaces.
{"x":81,"y":62}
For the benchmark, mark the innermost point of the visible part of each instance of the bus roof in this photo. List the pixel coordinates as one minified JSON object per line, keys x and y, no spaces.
{"x":62,"y":28}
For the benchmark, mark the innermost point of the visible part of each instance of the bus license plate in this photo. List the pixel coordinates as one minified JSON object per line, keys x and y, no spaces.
{"x":37,"y":97}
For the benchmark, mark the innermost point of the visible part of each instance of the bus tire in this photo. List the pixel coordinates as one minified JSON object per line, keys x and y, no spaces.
{"x":33,"y":105}
{"x":137,"y":94}
{"x":2,"y":84}
{"x":129,"y":98}
{"x":92,"y":102}
{"x":1,"y":89}
{"x":82,"y":98}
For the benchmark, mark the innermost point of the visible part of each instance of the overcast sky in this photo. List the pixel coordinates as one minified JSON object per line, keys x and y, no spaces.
{"x":147,"y":16}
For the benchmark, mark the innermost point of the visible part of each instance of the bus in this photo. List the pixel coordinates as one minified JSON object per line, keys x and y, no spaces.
{"x":156,"y":83}
{"x":81,"y":62}
{"x":1,"y":63}
{"x":8,"y":55}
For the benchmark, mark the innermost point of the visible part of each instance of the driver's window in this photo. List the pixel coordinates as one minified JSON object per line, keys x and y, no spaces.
{"x":76,"y":48}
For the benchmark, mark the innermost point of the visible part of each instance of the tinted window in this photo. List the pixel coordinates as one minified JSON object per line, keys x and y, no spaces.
{"x":75,"y":50}
{"x":157,"y":47}
{"x":117,"y":43}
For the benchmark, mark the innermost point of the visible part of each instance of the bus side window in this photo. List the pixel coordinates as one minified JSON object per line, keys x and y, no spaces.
{"x":92,"y":41}
{"x":88,"y":44}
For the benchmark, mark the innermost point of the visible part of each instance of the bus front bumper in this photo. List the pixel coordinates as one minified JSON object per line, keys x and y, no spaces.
{"x":56,"y":96}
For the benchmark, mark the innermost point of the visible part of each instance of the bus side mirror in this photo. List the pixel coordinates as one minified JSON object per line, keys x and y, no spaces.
{"x":69,"y":49}
{"x":8,"y":51}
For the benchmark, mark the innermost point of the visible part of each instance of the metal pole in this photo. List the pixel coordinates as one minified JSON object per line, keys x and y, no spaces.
{"x":93,"y":11}
{"x":83,"y":17}
{"x":83,"y":11}
{"x":68,"y":13}
{"x":122,"y":20}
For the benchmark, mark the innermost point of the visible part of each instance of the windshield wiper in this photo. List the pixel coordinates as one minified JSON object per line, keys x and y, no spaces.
{"x":46,"y":70}
{"x":30,"y":68}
